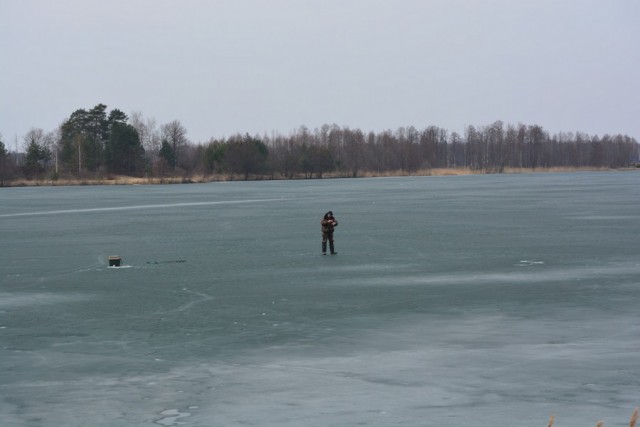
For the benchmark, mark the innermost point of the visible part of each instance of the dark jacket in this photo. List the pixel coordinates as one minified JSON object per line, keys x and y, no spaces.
{"x":328,"y":223}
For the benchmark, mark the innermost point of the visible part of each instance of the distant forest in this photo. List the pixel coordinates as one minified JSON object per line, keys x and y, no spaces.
{"x":96,"y":144}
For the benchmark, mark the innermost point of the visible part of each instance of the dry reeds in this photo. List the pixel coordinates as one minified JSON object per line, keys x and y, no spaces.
{"x":632,"y":421}
{"x":634,"y":418}
{"x":113,"y":179}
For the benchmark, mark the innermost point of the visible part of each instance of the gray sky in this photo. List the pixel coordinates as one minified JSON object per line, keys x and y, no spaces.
{"x":228,"y":66}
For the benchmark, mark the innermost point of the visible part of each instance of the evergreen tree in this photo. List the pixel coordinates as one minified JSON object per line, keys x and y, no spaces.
{"x":117,"y":116}
{"x":123,"y":152}
{"x":167,"y":154}
{"x":213,"y":156}
{"x":5,"y":170}
{"x":246,"y":156}
{"x":35,"y":159}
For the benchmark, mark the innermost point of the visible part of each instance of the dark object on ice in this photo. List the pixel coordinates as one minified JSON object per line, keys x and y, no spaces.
{"x":177,"y":261}
{"x":328,"y":224}
{"x":114,"y":261}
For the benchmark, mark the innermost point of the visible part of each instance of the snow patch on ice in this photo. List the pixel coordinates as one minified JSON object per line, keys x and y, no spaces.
{"x":171,"y":417}
{"x":529,"y":263}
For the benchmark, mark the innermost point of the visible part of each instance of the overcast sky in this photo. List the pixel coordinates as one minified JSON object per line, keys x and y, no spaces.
{"x":222,"y":67}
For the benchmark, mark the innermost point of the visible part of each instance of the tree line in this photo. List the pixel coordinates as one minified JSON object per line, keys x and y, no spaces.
{"x":94,"y":143}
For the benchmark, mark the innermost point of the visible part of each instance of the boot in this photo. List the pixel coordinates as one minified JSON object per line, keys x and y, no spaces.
{"x":331,"y":248}
{"x":324,"y":248}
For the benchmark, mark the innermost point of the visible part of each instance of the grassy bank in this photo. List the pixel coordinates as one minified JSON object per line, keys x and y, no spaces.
{"x":130,"y":180}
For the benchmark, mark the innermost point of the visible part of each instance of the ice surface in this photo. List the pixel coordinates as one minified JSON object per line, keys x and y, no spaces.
{"x":453,"y":301}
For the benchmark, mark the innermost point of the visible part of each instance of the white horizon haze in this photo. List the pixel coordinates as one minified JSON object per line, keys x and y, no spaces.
{"x":224,"y":67}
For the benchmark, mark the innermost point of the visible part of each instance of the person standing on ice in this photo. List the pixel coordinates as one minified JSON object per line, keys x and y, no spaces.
{"x":328,"y":224}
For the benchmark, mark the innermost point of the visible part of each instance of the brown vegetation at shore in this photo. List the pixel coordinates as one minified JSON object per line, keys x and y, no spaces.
{"x":220,"y":177}
{"x":632,"y":421}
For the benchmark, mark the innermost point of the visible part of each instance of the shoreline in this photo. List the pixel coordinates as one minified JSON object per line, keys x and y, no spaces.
{"x":202,"y":179}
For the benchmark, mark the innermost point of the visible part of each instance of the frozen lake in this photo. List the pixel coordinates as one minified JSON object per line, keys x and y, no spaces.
{"x":488,"y":300}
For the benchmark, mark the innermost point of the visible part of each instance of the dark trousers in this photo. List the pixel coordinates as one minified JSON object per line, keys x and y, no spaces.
{"x":327,"y":236}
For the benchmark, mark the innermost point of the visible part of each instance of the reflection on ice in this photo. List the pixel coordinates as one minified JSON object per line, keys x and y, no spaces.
{"x":133,"y":207}
{"x":15,"y":300}
{"x":544,"y":275}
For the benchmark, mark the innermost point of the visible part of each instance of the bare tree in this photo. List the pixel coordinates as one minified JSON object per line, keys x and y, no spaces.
{"x":354,"y":151}
{"x":149,"y":135}
{"x":174,"y":134}
{"x":455,"y":155}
